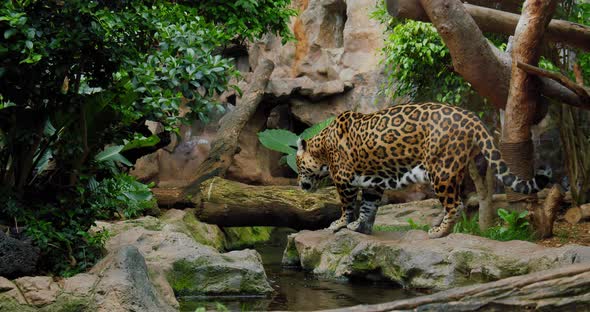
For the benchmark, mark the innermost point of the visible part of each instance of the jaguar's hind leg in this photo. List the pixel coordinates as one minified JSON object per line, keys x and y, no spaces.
{"x":448,"y":193}
{"x":371,"y":198}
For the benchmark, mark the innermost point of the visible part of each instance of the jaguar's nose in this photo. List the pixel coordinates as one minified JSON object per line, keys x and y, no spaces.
{"x":305,"y":185}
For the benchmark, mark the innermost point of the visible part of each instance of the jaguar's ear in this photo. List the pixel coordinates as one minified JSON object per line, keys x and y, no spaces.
{"x":301,"y":146}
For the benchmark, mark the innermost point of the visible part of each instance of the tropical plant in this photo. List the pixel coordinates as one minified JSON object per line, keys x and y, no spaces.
{"x":285,"y":141}
{"x":79,"y":80}
{"x":513,"y":226}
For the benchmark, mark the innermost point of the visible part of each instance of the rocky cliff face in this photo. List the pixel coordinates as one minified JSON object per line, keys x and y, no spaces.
{"x":332,"y":66}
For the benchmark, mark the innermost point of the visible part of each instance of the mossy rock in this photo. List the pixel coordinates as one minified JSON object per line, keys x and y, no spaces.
{"x":184,"y":221}
{"x":291,"y":255}
{"x":233,"y":273}
{"x":243,"y":237}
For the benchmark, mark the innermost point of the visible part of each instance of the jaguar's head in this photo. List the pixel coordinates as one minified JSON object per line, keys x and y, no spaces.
{"x":311,"y":169}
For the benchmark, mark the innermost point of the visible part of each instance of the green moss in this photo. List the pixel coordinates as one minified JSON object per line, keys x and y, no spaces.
{"x":67,"y":303}
{"x":205,"y":234}
{"x":148,"y":223}
{"x":8,"y":304}
{"x":243,"y":237}
{"x":181,"y":277}
{"x":291,"y":255}
{"x":211,"y":276}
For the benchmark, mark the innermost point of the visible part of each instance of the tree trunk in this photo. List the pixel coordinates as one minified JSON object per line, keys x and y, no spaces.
{"x":562,"y":289}
{"x":499,"y":22}
{"x":577,"y":214}
{"x":543,"y":216}
{"x":228,"y":203}
{"x":485,"y":191}
{"x":523,"y":97}
{"x":225,"y":145}
{"x":485,"y":67}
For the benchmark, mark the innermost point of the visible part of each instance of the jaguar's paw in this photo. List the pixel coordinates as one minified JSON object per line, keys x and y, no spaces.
{"x":337,"y":225}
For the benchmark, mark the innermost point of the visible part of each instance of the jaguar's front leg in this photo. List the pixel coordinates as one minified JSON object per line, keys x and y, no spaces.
{"x":368,"y":211}
{"x":347,"y":196}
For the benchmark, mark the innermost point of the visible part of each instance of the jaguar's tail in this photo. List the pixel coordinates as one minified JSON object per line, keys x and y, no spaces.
{"x":492,"y":154}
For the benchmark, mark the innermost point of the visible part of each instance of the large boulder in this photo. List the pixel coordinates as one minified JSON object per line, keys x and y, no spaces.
{"x":414,"y":261}
{"x":17,"y":257}
{"x":125,"y":284}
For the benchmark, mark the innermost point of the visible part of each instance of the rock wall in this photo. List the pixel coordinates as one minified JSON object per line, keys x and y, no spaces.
{"x":332,"y":66}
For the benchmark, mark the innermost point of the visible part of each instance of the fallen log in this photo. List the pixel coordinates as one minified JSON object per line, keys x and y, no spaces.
{"x":577,"y":214}
{"x":228,"y":203}
{"x":562,"y":289}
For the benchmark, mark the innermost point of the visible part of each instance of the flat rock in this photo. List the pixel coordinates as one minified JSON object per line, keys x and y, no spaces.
{"x":421,"y":212}
{"x":8,"y":291}
{"x":414,"y":261}
{"x":81,"y":284}
{"x":38,"y":290}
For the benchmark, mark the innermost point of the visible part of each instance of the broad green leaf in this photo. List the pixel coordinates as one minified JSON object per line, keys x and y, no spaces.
{"x":279,"y":140}
{"x":112,"y":153}
{"x":316,"y":129}
{"x":142,"y":142}
{"x":108,"y":153}
{"x":291,"y":162}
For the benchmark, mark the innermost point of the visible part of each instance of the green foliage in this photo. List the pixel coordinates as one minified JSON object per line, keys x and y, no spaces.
{"x":285,"y":141}
{"x":249,"y":18}
{"x":120,"y":194}
{"x":514,"y":226}
{"x":79,"y":80}
{"x":417,"y":63}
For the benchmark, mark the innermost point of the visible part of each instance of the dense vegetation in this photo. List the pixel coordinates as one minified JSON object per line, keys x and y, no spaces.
{"x":79,"y":80}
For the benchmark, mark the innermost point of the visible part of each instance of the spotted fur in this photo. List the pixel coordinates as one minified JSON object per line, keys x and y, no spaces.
{"x":398,"y":146}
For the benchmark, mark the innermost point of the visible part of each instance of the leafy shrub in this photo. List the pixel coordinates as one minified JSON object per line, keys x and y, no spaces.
{"x":514,"y":226}
{"x":120,"y":195}
{"x":417,"y":63}
{"x":285,"y":141}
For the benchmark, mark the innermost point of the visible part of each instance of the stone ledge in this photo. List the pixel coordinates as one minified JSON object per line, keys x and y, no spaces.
{"x":414,"y":261}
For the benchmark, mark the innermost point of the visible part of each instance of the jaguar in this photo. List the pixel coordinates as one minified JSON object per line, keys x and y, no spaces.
{"x":398,"y":146}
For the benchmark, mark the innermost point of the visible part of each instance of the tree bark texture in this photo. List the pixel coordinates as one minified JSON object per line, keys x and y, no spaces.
{"x":523,"y":94}
{"x":225,"y":145}
{"x":485,"y":67}
{"x":577,"y":214}
{"x":562,"y":289}
{"x":228,"y":203}
{"x":485,"y":191}
{"x":543,"y":216}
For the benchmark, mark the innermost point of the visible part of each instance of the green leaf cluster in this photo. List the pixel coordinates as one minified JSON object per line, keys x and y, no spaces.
{"x":285,"y":141}
{"x":513,"y":226}
{"x":418,"y":65}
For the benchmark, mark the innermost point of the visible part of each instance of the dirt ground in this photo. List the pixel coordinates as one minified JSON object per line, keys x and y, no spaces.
{"x":565,"y":233}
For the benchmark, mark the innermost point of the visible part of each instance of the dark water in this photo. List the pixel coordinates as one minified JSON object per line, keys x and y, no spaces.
{"x":298,"y":290}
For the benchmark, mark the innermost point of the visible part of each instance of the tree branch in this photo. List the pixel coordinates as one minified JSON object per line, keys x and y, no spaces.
{"x":486,"y":68}
{"x":583,"y":93}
